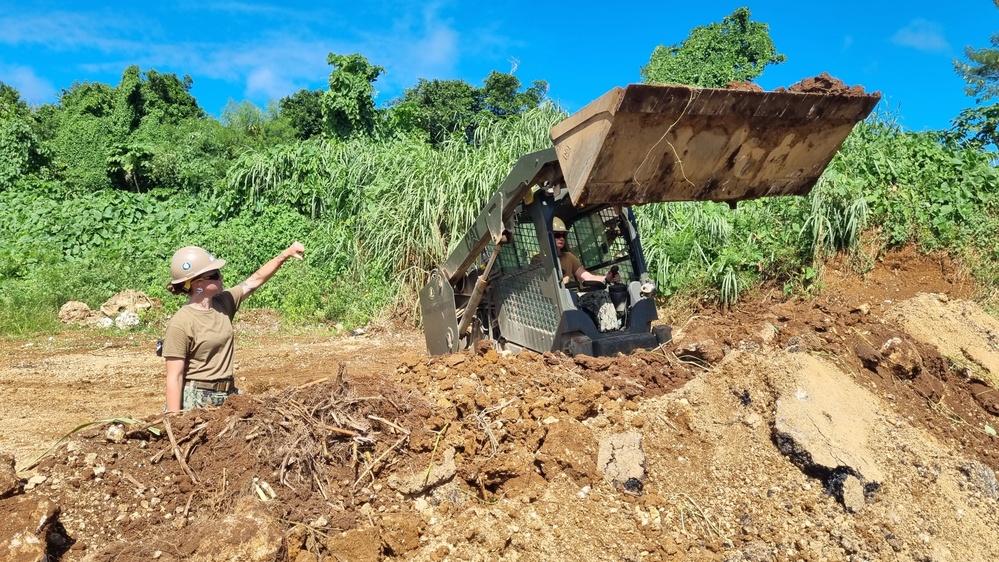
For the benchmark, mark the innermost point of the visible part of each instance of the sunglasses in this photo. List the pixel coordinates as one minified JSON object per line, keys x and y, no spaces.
{"x":559,"y":235}
{"x":210,"y":276}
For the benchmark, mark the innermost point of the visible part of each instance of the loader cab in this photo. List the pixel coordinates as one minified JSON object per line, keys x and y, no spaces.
{"x":530,"y":306}
{"x":602,"y":237}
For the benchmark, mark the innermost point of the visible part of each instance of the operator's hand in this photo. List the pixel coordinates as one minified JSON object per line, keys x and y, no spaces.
{"x":296,"y":250}
{"x":612,"y":276}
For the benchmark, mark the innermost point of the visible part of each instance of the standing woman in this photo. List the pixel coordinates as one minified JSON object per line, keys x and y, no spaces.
{"x":198,"y":345}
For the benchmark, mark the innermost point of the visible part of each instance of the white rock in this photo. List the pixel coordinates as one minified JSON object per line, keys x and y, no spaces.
{"x":115,"y":433}
{"x":126,"y":320}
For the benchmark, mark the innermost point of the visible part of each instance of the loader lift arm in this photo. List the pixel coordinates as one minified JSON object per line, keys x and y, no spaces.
{"x":439,"y":301}
{"x":540,"y":167}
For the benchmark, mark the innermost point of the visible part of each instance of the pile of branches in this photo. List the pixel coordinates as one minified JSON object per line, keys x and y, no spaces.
{"x":328,"y":423}
{"x":313,"y":437}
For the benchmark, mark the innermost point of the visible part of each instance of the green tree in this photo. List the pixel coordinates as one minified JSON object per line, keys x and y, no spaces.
{"x":250,"y":125}
{"x":437,"y":107}
{"x":245,"y":117}
{"x":121,"y":137}
{"x":980,"y":124}
{"x":712,"y":56}
{"x":304,"y":111}
{"x":441,"y":108}
{"x":349,"y":104}
{"x":81,"y":129}
{"x":191,"y":156}
{"x":502,"y":97}
{"x":168,"y":98}
{"x":144,"y":101}
{"x":21,"y":151}
{"x":981,"y":69}
{"x":127,"y":105}
{"x":11,"y":104}
{"x":87,"y":98}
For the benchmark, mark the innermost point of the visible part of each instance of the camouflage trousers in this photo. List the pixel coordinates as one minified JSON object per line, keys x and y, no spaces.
{"x":599,"y":306}
{"x":200,"y":398}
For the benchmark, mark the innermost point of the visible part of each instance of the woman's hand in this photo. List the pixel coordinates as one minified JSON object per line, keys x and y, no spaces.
{"x":266,"y":271}
{"x":296,"y":250}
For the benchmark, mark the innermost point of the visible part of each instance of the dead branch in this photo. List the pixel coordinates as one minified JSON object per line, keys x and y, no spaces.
{"x":371,"y":467}
{"x":386,"y":422}
{"x":156,"y":458}
{"x":176,"y":451}
{"x":313,"y":383}
{"x":484,"y":423}
{"x":437,"y":441}
{"x":135,"y":482}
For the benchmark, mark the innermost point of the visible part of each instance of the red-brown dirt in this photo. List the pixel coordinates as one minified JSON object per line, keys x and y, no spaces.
{"x":825,"y":84}
{"x":373,"y":450}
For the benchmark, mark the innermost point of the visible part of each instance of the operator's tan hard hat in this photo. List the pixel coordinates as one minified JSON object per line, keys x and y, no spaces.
{"x":188,"y":263}
{"x":558,"y":225}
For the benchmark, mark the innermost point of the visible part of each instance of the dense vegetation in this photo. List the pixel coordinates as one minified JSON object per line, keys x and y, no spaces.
{"x":100,"y":188}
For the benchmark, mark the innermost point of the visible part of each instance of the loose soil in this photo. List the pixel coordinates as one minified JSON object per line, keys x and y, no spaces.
{"x":362,"y":447}
{"x":825,"y":84}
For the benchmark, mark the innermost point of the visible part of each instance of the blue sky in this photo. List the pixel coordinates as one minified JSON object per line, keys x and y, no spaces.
{"x":259,"y":51}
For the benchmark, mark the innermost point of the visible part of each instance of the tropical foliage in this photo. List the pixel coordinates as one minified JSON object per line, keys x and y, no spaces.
{"x":736,"y":49}
{"x":980,"y":70}
{"x":439,"y":109}
{"x":99,"y":189}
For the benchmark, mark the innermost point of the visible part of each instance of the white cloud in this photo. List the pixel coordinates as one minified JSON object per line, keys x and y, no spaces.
{"x":922,"y":35}
{"x":269,"y":83}
{"x":438,"y":48}
{"x":416,"y":45}
{"x":65,"y":31}
{"x":33,"y":89}
{"x":267,"y":50}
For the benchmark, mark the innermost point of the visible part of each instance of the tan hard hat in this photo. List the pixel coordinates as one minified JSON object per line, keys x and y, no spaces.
{"x":190,"y":262}
{"x":558,"y":225}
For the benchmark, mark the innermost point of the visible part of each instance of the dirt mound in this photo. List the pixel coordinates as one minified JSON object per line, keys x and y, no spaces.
{"x":337,"y":453}
{"x":743,"y":86}
{"x":822,"y":84}
{"x":825,"y":84}
{"x":853,"y":426}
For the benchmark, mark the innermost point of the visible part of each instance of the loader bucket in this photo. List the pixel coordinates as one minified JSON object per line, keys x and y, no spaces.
{"x":648,"y":143}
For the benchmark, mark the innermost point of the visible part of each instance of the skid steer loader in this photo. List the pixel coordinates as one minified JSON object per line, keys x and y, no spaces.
{"x":635,"y":145}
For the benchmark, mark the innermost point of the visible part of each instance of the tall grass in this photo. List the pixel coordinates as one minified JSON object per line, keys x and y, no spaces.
{"x":376,"y":215}
{"x":838,"y":216}
{"x":405,"y":202}
{"x":903,"y":187}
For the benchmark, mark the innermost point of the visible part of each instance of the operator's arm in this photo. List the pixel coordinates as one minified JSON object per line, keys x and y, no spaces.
{"x":174,"y":382}
{"x":611,"y":277}
{"x":266,"y":271}
{"x":584,"y":275}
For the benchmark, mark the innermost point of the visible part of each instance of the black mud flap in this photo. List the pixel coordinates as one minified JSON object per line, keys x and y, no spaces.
{"x":624,"y":343}
{"x":663,"y":333}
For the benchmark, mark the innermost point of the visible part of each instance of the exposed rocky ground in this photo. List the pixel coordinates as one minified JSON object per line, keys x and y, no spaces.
{"x":857,"y":425}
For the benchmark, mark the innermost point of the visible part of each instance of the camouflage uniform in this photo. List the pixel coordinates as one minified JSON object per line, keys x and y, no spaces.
{"x":199,"y":398}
